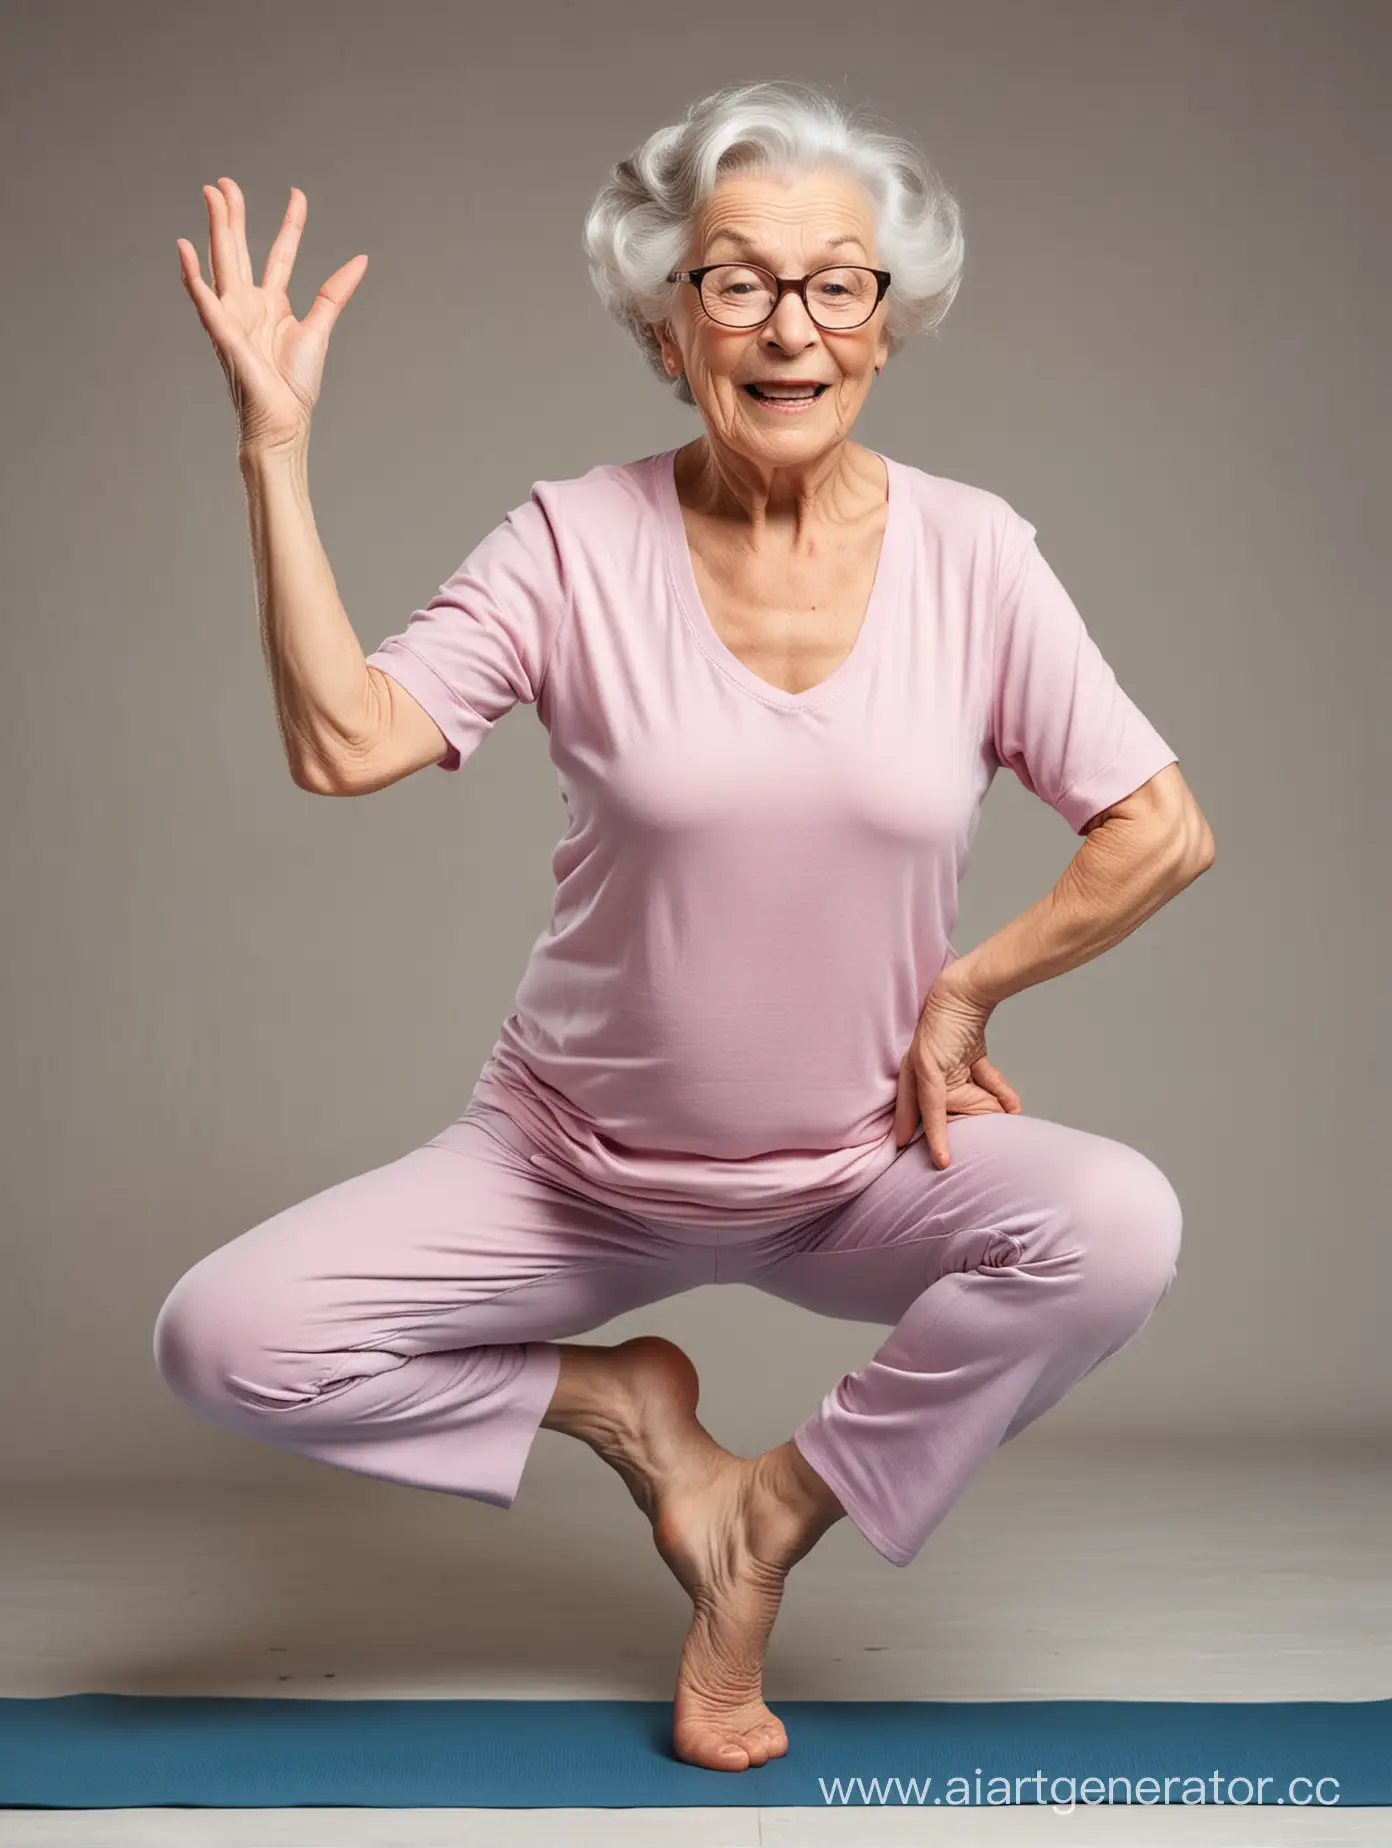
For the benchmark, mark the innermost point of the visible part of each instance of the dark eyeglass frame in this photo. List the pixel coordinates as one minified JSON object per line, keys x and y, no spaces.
{"x":798,"y":284}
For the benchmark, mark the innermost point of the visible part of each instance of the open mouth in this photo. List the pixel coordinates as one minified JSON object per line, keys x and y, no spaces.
{"x":804,"y":395}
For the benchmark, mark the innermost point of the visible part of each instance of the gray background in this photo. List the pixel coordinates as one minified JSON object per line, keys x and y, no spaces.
{"x":223,"y":994}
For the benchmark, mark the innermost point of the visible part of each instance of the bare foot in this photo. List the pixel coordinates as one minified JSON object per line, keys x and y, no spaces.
{"x":730,"y":1529}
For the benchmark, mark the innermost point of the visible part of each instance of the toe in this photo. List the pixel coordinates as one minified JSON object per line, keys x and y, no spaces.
{"x":713,"y":1750}
{"x":771,"y":1738}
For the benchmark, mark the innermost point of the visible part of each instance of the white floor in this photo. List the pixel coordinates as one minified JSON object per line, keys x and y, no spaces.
{"x":1228,"y":1572}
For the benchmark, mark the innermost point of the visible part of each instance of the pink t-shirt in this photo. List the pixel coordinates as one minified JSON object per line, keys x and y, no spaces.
{"x":755,"y":889}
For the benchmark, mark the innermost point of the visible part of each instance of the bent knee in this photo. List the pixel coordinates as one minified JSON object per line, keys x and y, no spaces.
{"x":1132,"y":1225}
{"x":208,"y":1345}
{"x":188,"y":1337}
{"x":1115,"y":1226}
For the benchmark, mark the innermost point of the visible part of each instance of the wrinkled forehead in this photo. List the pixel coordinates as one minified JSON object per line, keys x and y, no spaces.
{"x":822,"y":216}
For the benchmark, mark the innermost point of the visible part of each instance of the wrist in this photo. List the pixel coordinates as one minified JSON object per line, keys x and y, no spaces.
{"x":290,"y":455}
{"x":960,"y":980}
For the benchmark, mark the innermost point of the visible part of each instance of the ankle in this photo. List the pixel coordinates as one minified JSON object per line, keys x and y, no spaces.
{"x":792,"y":1483}
{"x":580,"y":1404}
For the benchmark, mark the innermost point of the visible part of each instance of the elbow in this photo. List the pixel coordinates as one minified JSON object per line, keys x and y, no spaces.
{"x":1194,"y":848}
{"x":1178,"y":846}
{"x":1203,"y":847}
{"x":316,"y":780}
{"x":1189,"y":846}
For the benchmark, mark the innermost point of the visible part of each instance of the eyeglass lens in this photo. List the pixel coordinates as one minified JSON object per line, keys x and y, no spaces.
{"x":739,"y":295}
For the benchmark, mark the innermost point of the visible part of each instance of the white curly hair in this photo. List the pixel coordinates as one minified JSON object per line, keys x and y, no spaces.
{"x":638,"y":227}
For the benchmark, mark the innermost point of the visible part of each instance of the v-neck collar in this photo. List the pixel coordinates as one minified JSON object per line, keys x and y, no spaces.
{"x":682,"y":573}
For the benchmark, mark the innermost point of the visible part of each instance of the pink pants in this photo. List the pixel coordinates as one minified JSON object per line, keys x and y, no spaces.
{"x":402,"y":1323}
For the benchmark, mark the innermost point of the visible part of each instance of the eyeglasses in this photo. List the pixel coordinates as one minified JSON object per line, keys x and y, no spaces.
{"x":745,"y":295}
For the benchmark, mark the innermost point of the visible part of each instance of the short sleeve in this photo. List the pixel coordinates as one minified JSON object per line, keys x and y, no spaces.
{"x":484,"y":641}
{"x":1059,"y":718}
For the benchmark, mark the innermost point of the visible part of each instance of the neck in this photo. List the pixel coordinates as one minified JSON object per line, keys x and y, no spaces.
{"x":839,"y":485}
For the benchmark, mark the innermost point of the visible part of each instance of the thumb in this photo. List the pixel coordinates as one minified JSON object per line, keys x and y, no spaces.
{"x":333,"y":298}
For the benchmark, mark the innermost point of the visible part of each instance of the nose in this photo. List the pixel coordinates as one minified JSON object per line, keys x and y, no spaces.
{"x":790,"y":325}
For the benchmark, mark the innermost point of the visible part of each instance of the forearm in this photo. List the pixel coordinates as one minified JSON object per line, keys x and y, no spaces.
{"x":1124,"y":871}
{"x":319,"y":677}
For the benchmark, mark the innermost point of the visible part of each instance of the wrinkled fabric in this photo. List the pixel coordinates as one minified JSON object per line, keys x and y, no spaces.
{"x":402,"y":1323}
{"x":755,"y":890}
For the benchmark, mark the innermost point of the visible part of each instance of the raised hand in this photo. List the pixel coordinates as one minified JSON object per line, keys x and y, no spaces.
{"x":273,"y":363}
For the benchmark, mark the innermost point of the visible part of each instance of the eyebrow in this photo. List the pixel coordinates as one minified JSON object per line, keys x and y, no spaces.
{"x":751,"y":246}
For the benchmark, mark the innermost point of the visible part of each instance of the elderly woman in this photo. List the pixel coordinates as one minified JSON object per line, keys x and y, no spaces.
{"x":778,"y":671}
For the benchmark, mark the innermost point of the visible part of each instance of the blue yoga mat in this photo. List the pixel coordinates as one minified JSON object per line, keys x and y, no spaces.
{"x":117,"y":1751}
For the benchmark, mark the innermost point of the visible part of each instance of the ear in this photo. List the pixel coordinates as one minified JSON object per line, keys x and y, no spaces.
{"x":671,"y":352}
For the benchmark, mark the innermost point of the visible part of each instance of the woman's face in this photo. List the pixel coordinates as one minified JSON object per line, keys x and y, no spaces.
{"x":790,"y":226}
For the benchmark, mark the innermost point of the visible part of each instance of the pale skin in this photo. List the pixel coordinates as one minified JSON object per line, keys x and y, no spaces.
{"x":784,"y":515}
